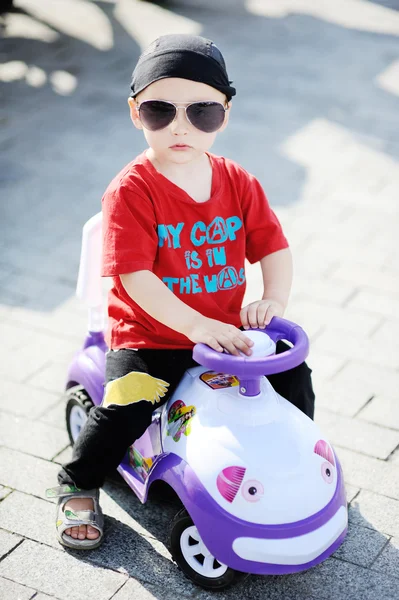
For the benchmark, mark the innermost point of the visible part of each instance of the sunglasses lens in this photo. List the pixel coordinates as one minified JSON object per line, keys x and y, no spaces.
{"x":155,"y":114}
{"x":206,"y":116}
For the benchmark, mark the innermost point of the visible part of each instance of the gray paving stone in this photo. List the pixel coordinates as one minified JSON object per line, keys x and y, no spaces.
{"x":55,"y":416}
{"x":383,"y":411}
{"x":29,"y":517}
{"x":27,"y":473}
{"x":361,"y":546}
{"x":351,"y":492}
{"x":325,"y":312}
{"x":312,"y":327}
{"x":36,"y":354}
{"x":139,"y":591}
{"x":363,"y":275}
{"x":356,"y":435}
{"x":254,"y":587}
{"x":4,"y":491}
{"x":388,"y":560}
{"x":324,"y":366}
{"x":24,"y":400}
{"x":61,"y":322}
{"x":27,"y":364}
{"x":329,"y":254}
{"x":380,"y":303}
{"x":339,"y":579}
{"x":258,"y":588}
{"x":364,"y":349}
{"x":42,"y":292}
{"x":394,"y":458}
{"x":13,"y":591}
{"x":370,"y":473}
{"x":5,"y":311}
{"x":375,"y":511}
{"x":14,"y":336}
{"x":11,"y":299}
{"x":63,"y":456}
{"x":8,"y":541}
{"x":51,"y":377}
{"x":338,"y":396}
{"x":387,"y":335}
{"x":123,"y":545}
{"x":322,"y":263}
{"x":377,"y":381}
{"x":55,"y":572}
{"x":33,"y":437}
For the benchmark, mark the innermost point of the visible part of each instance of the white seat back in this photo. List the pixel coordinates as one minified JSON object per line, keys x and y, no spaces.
{"x":89,"y":285}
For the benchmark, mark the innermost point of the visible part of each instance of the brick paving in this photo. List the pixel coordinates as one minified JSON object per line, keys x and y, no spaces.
{"x":316,"y":119}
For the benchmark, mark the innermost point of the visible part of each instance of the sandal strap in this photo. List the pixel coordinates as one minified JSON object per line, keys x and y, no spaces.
{"x":61,"y":490}
{"x":69,"y":518}
{"x":81,"y":517}
{"x":71,"y":490}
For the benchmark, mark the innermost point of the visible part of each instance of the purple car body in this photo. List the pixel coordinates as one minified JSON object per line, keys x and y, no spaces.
{"x":234,"y":541}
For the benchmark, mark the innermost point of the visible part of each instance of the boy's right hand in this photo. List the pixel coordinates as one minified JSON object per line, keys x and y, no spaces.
{"x":220,"y":336}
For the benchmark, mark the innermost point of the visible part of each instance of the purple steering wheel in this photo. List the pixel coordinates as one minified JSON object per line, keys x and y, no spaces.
{"x":250,"y":370}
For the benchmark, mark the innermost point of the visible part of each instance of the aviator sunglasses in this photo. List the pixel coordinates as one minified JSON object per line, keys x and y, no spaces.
{"x":205,"y":116}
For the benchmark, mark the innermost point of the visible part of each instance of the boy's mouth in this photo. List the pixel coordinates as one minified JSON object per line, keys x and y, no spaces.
{"x":180,"y":147}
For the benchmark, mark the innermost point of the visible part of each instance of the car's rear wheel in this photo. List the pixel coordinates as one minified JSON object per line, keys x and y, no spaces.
{"x":78,"y":407}
{"x":195,"y":560}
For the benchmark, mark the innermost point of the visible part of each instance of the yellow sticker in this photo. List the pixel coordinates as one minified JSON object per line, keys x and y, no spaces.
{"x":134,"y":387}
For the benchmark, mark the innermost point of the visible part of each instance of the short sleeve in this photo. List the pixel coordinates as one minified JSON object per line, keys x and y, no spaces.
{"x":130,"y":239}
{"x":264,"y":234}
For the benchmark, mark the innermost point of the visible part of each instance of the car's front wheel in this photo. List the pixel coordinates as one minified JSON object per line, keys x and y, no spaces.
{"x":192,"y":556}
{"x":78,"y":407}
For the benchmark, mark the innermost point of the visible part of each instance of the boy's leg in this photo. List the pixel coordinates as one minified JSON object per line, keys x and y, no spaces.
{"x":131,"y":396}
{"x":122,"y":418}
{"x":295,"y":385}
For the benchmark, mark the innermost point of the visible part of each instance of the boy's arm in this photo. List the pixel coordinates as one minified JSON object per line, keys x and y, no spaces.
{"x":277,"y":280}
{"x":147,"y":290}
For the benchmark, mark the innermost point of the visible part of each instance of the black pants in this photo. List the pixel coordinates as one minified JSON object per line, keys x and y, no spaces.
{"x":112,"y":427}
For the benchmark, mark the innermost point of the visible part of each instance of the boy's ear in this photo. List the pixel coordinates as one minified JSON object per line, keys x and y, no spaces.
{"x":134,"y":113}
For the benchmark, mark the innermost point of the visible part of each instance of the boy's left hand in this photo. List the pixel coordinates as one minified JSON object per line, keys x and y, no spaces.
{"x":259,"y":314}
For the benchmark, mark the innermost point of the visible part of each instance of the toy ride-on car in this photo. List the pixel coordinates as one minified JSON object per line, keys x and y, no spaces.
{"x":262,"y":489}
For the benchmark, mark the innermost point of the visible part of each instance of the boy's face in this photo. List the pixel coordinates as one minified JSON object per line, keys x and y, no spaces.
{"x":180,"y":142}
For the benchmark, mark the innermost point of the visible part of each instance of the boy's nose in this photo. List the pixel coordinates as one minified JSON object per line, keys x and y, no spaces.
{"x":180,"y":124}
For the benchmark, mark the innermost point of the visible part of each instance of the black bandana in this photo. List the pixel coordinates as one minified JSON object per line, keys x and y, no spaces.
{"x":184,"y":56}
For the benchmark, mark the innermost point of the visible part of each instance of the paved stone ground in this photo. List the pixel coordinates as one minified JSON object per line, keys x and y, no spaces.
{"x":316,"y":119}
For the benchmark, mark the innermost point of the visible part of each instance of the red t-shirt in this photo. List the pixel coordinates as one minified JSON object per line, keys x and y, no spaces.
{"x":196,"y":249}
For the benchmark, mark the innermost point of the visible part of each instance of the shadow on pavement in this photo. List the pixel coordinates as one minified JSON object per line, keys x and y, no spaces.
{"x":67,"y":131}
{"x":139,"y":551}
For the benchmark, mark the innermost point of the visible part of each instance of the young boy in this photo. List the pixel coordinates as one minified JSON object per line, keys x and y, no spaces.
{"x":178,"y":224}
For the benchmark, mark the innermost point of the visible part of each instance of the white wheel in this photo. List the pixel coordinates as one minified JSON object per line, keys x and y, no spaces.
{"x":194,"y":558}
{"x":77,"y":419}
{"x":77,"y":410}
{"x":198,"y":556}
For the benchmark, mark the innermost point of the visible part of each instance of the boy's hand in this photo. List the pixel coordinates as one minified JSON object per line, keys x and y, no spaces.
{"x":260,"y":313}
{"x":220,"y":336}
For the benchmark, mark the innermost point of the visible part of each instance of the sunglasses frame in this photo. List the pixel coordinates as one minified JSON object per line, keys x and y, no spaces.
{"x":185,"y":107}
